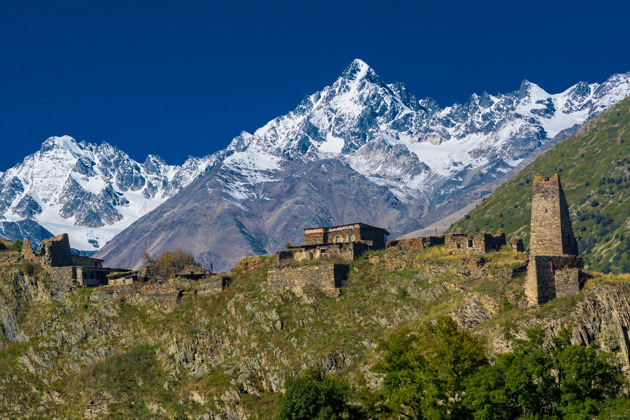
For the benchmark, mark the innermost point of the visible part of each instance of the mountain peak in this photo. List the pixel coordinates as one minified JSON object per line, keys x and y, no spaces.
{"x":61,"y":142}
{"x":357,"y":70}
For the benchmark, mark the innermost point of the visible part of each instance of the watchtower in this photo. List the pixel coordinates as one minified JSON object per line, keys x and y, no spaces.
{"x":554,"y":268}
{"x":551,"y":232}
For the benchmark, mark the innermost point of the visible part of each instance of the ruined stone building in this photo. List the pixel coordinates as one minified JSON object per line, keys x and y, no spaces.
{"x":415,"y":244}
{"x":373,"y":237}
{"x":555,"y":268}
{"x":478,"y":243}
{"x":333,"y":244}
{"x":63,"y":266}
{"x":345,"y":242}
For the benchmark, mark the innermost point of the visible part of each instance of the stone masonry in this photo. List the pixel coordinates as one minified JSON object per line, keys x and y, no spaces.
{"x":554,"y":269}
{"x":478,"y":243}
{"x":372,"y":236}
{"x":416,"y":244}
{"x":325,"y":277}
{"x":551,"y":232}
{"x":55,"y":252}
{"x":348,"y":251}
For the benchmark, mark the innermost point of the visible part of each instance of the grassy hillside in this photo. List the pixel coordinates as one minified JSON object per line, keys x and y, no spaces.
{"x":110,"y":354}
{"x":594,"y":168}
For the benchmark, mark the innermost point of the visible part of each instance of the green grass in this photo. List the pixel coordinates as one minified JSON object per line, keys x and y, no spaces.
{"x":594,"y":167}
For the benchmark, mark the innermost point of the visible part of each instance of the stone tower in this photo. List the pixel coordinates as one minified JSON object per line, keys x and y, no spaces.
{"x":551,"y":232}
{"x":554,"y":268}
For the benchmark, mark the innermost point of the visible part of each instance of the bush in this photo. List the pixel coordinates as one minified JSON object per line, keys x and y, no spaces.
{"x":317,"y":396}
{"x":17,"y":245}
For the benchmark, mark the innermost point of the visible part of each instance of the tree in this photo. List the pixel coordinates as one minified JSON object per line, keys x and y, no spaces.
{"x":425,"y":369}
{"x":317,"y":396}
{"x":544,"y":380}
{"x":172,"y":261}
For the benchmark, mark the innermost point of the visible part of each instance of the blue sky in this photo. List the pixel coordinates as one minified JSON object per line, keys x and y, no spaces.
{"x":179,"y":78}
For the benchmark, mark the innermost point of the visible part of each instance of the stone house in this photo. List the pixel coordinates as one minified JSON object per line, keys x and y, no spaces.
{"x":373,"y":237}
{"x":478,"y":243}
{"x":344,"y":243}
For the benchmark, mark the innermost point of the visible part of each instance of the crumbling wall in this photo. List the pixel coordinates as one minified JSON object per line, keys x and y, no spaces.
{"x":549,"y":277}
{"x":478,"y":243}
{"x":325,"y":277}
{"x":340,"y":251}
{"x":417,"y":244}
{"x":55,"y":252}
{"x":27,"y":251}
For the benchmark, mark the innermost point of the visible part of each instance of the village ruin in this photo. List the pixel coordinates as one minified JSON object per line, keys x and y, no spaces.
{"x":554,"y":268}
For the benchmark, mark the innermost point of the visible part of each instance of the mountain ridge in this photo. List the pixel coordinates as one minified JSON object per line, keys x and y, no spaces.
{"x":426,"y":159}
{"x":431,"y":159}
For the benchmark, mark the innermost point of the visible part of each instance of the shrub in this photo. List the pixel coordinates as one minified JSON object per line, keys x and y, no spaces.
{"x":17,"y":245}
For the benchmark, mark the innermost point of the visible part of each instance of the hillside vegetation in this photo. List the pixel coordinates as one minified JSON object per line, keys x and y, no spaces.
{"x":594,"y":168}
{"x":119,"y":352}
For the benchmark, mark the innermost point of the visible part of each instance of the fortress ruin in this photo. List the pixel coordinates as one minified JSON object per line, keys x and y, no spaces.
{"x":63,"y":266}
{"x":336,"y":243}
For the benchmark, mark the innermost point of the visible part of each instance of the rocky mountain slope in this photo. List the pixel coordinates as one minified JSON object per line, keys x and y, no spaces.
{"x":188,"y":352}
{"x":412,"y":160}
{"x":594,"y":168}
{"x":90,"y":191}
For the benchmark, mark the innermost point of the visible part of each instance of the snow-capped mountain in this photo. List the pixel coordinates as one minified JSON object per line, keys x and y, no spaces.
{"x":90,"y":191}
{"x":414,"y":146}
{"x":407,"y":160}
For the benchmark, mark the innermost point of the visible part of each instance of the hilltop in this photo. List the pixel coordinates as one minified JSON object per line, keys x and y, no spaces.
{"x":594,"y":166}
{"x":201,"y":353}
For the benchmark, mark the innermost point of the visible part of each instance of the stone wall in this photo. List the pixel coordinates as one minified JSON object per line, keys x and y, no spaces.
{"x":340,"y":251}
{"x":325,"y":277}
{"x":479,"y":243}
{"x":417,"y":244}
{"x":551,"y":232}
{"x":549,"y":277}
{"x":315,"y":236}
{"x":27,"y":251}
{"x":213,"y":285}
{"x":63,"y":276}
{"x":248,"y":264}
{"x":55,"y":252}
